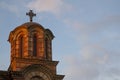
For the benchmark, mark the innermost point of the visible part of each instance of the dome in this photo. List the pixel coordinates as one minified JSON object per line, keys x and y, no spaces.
{"x":30,"y":24}
{"x":30,"y":27}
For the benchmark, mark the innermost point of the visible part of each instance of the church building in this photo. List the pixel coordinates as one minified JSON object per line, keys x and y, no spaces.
{"x":31,"y":53}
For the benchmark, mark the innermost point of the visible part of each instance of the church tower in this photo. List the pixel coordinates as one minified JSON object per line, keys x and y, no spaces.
{"x":31,"y":52}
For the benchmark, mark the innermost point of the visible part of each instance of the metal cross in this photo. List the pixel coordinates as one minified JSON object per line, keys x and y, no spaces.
{"x":31,"y":15}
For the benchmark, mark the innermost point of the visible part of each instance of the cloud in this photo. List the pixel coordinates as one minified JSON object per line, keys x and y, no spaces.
{"x":78,"y":70}
{"x":92,"y":63}
{"x":52,"y":6}
{"x":98,"y":57}
{"x":103,"y":30}
{"x":103,"y":23}
{"x":94,"y":54}
{"x":10,"y":7}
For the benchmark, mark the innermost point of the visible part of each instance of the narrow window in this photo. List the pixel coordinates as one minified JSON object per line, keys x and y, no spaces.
{"x":21,"y":46}
{"x":34,"y":45}
{"x":46,"y":48}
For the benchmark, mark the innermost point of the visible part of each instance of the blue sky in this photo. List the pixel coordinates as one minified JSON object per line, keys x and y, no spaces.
{"x":87,"y":34}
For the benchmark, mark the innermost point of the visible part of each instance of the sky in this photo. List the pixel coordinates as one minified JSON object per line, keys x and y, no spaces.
{"x":87,"y":34}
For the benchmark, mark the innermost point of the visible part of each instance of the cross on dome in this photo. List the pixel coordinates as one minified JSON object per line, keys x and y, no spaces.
{"x":31,"y":15}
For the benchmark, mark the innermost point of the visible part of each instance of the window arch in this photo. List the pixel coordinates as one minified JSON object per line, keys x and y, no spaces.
{"x":34,"y":45}
{"x":36,"y":78}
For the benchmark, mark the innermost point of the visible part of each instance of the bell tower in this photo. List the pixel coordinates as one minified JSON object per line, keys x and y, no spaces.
{"x":31,"y":51}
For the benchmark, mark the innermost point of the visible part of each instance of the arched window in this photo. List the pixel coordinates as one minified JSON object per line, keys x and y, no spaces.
{"x":46,"y":48}
{"x":21,"y":47}
{"x":34,"y":45}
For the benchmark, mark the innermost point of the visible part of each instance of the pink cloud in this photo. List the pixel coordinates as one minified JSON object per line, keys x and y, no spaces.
{"x":53,"y":6}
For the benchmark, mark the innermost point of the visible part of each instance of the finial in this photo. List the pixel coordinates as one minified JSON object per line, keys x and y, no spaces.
{"x":31,"y":15}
